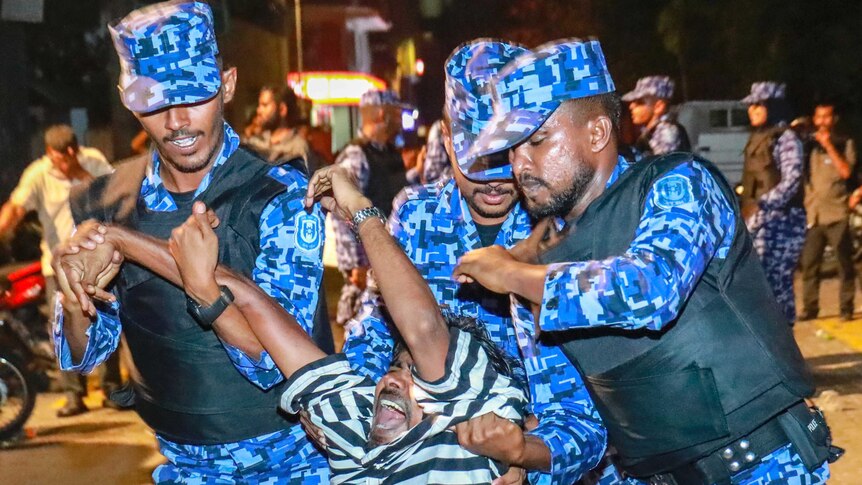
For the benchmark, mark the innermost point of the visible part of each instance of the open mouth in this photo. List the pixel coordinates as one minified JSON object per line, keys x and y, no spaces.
{"x":184,"y":142}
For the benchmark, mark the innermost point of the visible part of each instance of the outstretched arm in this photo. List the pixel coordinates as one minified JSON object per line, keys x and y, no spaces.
{"x":189,"y":260}
{"x":411,"y":304}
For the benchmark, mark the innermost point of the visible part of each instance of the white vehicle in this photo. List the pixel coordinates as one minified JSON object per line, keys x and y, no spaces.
{"x":718,"y":131}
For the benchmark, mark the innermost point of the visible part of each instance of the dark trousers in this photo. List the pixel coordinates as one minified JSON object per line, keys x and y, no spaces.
{"x":838,"y":236}
{"x":73,"y":382}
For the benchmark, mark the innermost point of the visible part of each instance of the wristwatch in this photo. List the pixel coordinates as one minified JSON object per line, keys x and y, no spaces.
{"x":207,"y":315}
{"x":364,"y":214}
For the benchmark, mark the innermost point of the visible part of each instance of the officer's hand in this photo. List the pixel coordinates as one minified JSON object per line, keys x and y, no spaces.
{"x":85,"y":264}
{"x":487,"y":266}
{"x":492,"y":436}
{"x":514,"y":476}
{"x":194,"y":246}
{"x":543,"y":236}
{"x":337,"y":190}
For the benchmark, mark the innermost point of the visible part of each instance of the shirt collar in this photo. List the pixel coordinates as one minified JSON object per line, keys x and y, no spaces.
{"x":153,"y":191}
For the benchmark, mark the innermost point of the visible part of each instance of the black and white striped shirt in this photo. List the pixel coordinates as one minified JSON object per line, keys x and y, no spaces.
{"x":341,"y":403}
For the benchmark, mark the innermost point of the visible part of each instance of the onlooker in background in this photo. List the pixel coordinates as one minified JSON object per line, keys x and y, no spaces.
{"x":771,"y":198}
{"x":44,"y":187}
{"x":376,"y":163}
{"x":436,"y":164}
{"x":828,"y":173}
{"x":278,"y":139}
{"x":649,"y":104}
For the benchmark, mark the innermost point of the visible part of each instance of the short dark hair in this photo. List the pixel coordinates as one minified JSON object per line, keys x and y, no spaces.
{"x":286,"y":95}
{"x":503,"y":363}
{"x":61,"y":137}
{"x":607,"y":104}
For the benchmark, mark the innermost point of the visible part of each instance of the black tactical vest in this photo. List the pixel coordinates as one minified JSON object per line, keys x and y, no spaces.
{"x":760,"y":172}
{"x":186,"y":387}
{"x":386,"y":176}
{"x":728,"y":362}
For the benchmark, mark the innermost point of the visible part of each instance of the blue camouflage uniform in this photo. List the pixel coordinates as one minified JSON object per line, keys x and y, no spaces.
{"x":685,"y":241}
{"x":151,"y":43}
{"x":778,"y":226}
{"x":666,"y":135}
{"x":434,"y":225}
{"x":286,"y":273}
{"x":647,"y":286}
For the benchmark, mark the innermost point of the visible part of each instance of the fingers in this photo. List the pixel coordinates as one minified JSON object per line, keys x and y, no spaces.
{"x":513,"y":476}
{"x":100,"y":294}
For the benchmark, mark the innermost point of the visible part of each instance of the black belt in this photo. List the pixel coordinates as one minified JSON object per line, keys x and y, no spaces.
{"x":740,"y":455}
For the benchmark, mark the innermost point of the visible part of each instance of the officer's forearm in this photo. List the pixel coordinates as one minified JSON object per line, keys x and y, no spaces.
{"x":527,"y":280}
{"x":536,"y":455}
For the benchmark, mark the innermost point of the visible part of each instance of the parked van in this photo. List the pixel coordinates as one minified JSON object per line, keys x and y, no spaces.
{"x":719,"y":131}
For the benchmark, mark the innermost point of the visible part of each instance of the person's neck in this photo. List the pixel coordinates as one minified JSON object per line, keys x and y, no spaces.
{"x":596,"y":186}
{"x":656,"y":117}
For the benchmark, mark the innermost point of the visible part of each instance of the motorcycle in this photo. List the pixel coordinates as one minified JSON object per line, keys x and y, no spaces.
{"x":25,"y":356}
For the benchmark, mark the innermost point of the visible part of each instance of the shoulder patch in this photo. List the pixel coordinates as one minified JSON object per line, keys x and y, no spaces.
{"x":308,"y":232}
{"x":673,"y":191}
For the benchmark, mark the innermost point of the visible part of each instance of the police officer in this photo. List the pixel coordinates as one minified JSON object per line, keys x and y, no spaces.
{"x":649,"y":104}
{"x":438,"y":223}
{"x":772,"y":195}
{"x":649,"y":270}
{"x":201,"y":388}
{"x":375,"y":161}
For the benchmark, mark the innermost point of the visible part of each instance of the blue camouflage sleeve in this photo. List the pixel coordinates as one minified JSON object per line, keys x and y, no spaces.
{"x":646,"y":286}
{"x":788,"y":156}
{"x":569,"y":424}
{"x":665,"y":139}
{"x":103,"y":338}
{"x":289,"y":267}
{"x":350,"y":253}
{"x":368,"y":341}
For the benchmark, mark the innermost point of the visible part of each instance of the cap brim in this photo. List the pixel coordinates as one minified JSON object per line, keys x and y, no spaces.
{"x":506,"y":131}
{"x":142,"y":94}
{"x":632,"y":96}
{"x":752,"y":99}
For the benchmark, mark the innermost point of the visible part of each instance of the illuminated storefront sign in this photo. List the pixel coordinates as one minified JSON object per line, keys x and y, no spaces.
{"x":333,"y":87}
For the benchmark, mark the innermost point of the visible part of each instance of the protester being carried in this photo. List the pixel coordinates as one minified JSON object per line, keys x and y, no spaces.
{"x":400,"y":429}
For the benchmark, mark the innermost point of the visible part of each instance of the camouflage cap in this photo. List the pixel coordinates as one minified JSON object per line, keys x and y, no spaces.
{"x":529,"y":89}
{"x":167,"y":55}
{"x":379,"y":97}
{"x":761,"y":91}
{"x":658,"y":86}
{"x":469,"y":72}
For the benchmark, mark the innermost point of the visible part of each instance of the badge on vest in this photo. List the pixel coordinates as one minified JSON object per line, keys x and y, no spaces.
{"x":308,"y":232}
{"x":673,"y":191}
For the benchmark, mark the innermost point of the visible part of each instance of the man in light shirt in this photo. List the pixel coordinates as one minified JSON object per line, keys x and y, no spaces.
{"x":44,"y":187}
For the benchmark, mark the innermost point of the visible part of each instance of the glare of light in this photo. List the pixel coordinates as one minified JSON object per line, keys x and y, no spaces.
{"x":420,"y":67}
{"x":408,"y":122}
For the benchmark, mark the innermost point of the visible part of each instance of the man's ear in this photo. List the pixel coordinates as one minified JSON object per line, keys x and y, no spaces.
{"x":228,"y":83}
{"x":71,"y":151}
{"x":600,"y":131}
{"x":660,"y":106}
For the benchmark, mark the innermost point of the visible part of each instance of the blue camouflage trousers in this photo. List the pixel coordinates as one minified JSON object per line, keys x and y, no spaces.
{"x":268,"y":459}
{"x":779,"y":243}
{"x":781,"y":467}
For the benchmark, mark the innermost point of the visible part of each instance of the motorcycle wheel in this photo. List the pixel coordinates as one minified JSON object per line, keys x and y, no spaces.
{"x":17,"y":396}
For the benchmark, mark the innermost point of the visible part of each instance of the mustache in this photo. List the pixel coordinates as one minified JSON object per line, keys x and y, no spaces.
{"x":489,"y":189}
{"x":177,"y":134}
{"x":392,"y":394}
{"x":527,"y":180}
